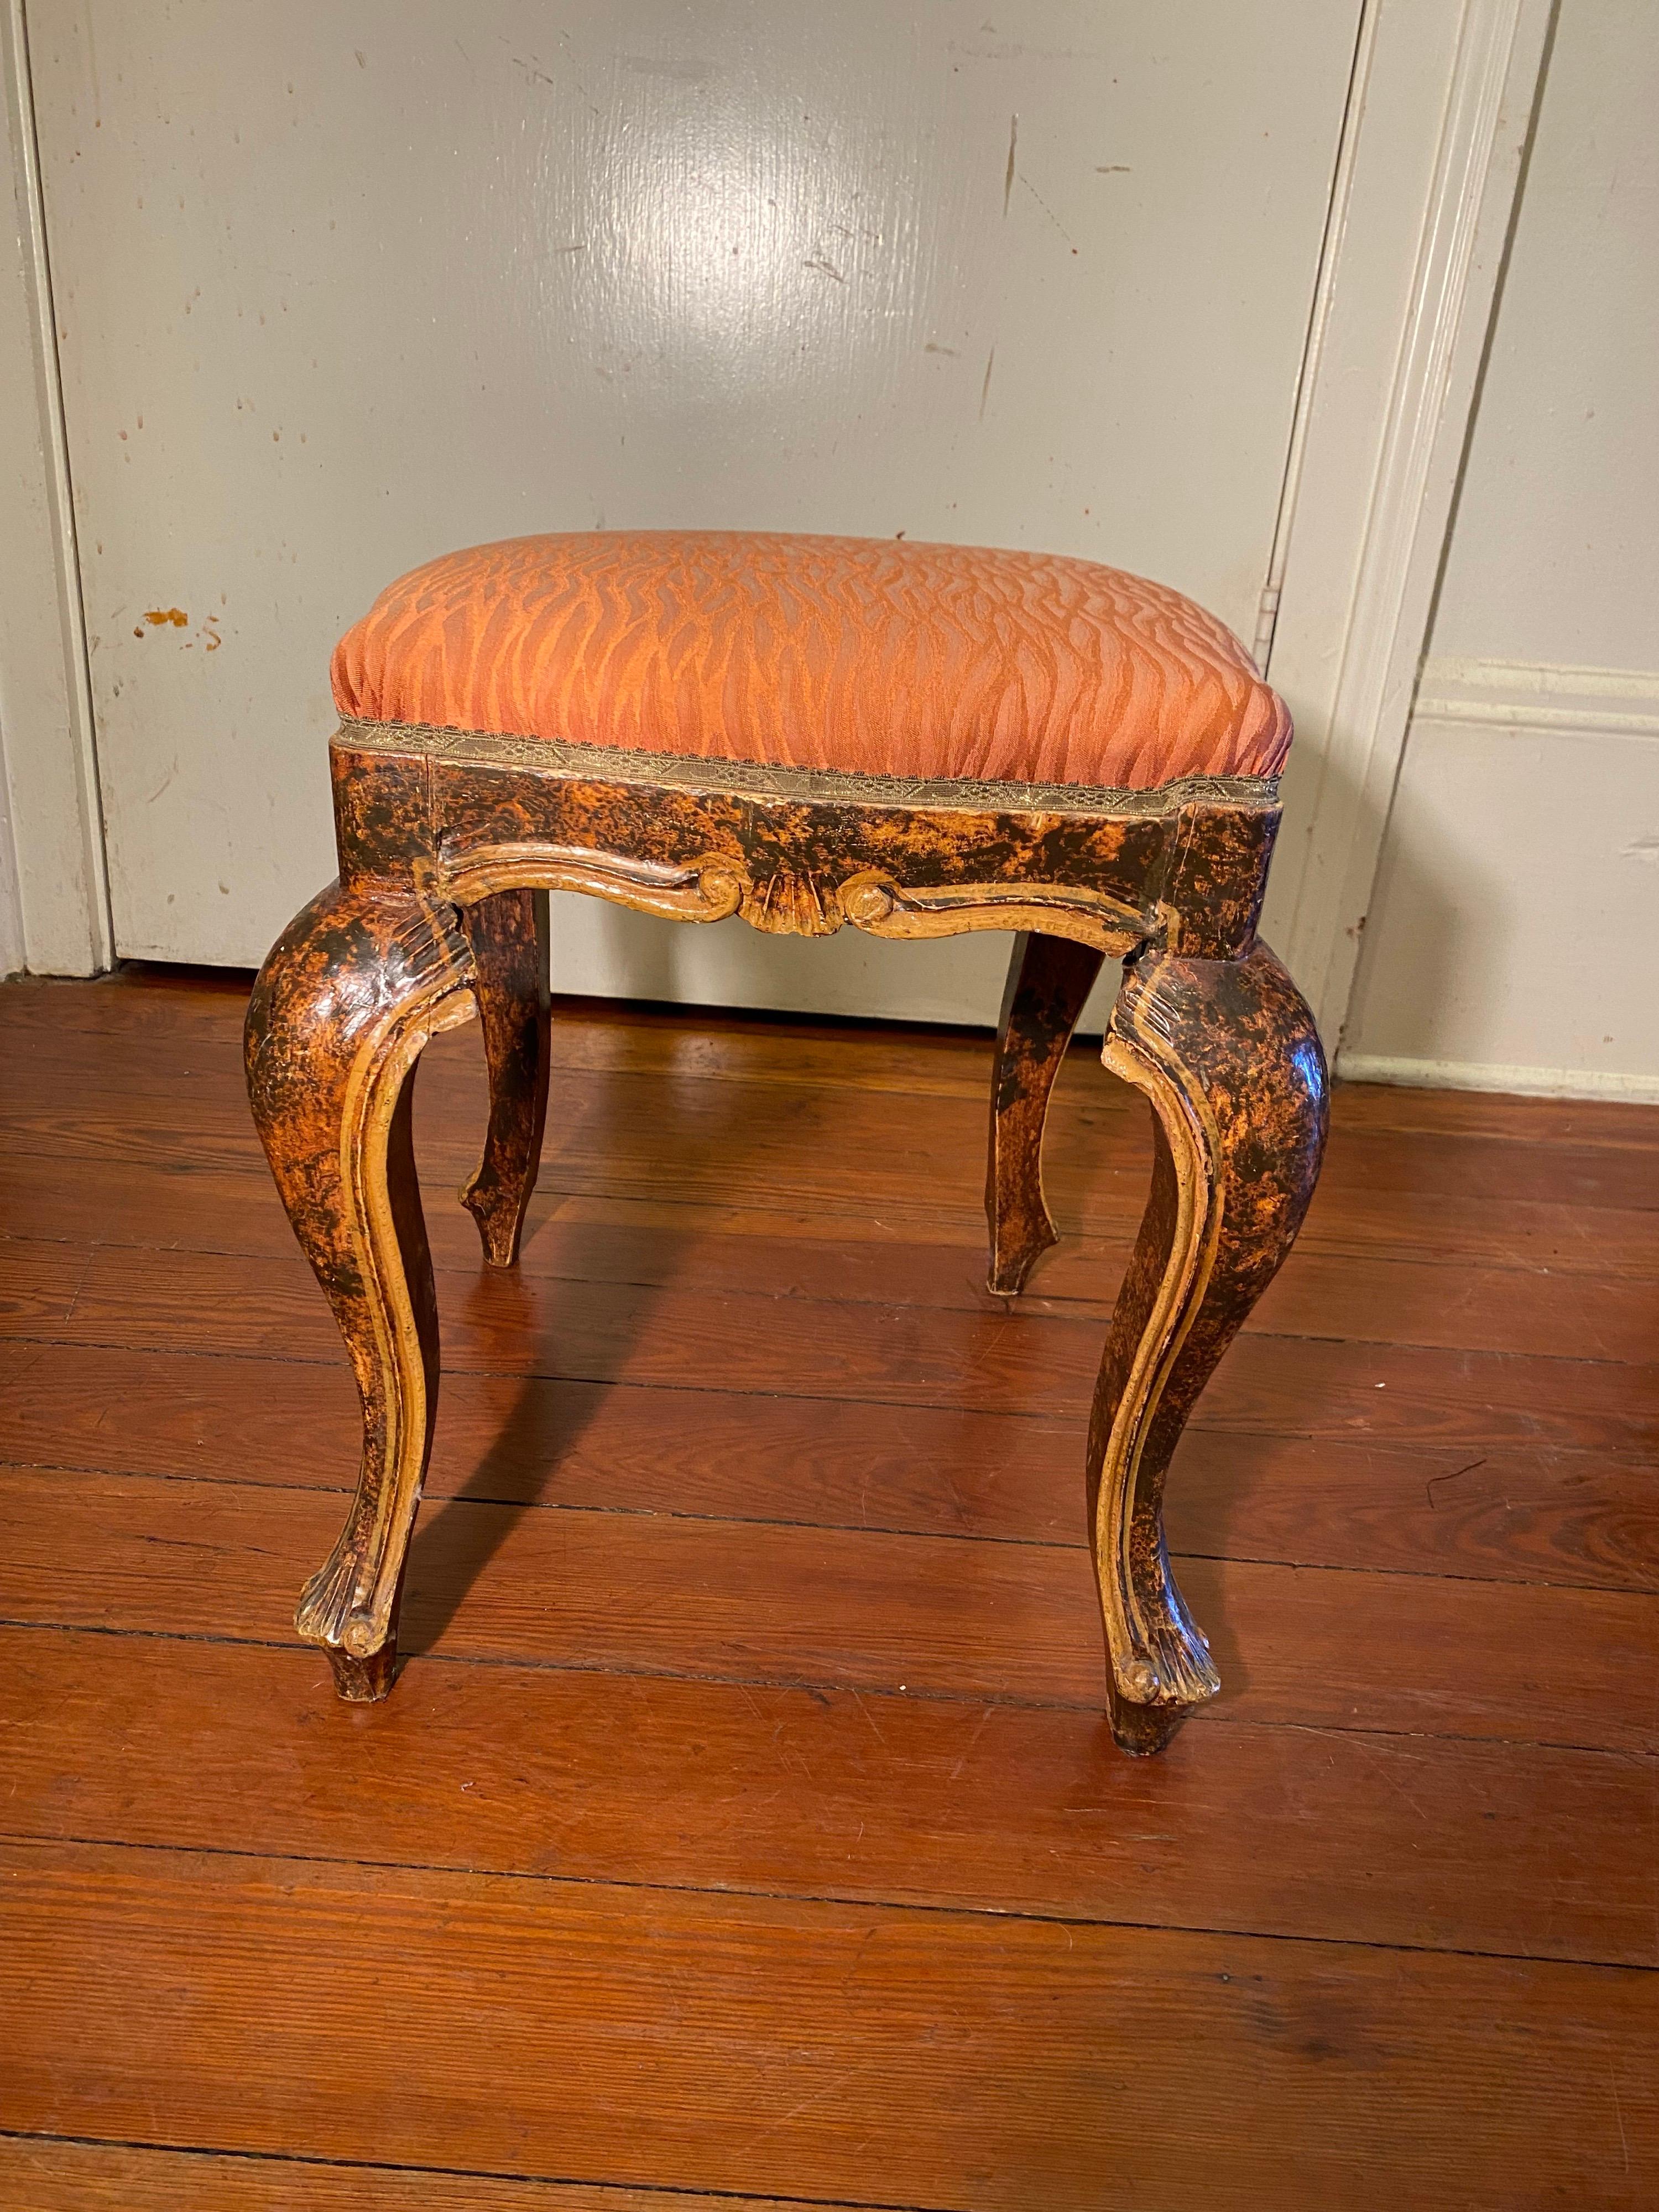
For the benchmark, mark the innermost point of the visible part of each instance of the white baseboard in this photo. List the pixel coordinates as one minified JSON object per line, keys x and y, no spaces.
{"x":1482,"y":1075}
{"x":1518,"y":774}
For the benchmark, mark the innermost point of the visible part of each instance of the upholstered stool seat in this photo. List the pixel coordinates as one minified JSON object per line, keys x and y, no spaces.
{"x":862,"y":656}
{"x":809,"y":732}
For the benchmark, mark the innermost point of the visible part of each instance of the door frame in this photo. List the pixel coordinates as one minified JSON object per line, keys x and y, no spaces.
{"x":1428,"y":183}
{"x":54,"y":889}
{"x":1439,"y":113}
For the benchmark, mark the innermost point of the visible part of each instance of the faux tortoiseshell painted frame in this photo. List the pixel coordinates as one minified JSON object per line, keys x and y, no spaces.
{"x":449,"y":842}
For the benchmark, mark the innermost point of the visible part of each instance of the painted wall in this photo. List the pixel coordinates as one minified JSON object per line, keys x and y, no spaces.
{"x":19,"y":468}
{"x":343,"y":283}
{"x":1511,"y":937}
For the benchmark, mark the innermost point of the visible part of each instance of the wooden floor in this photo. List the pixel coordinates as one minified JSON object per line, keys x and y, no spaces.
{"x":744,"y":1829}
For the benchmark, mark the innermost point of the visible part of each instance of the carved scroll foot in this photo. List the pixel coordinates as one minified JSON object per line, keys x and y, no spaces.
{"x":508,"y":936}
{"x":350,"y":993}
{"x":1048,"y":980}
{"x":1229,"y":1056}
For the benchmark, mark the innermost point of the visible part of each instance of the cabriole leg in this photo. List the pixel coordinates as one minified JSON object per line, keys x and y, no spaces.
{"x":507,"y":933}
{"x":1229,"y":1056}
{"x":1048,"y":980}
{"x":350,"y":993}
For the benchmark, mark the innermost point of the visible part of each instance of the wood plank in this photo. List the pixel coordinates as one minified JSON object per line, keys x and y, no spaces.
{"x":44,"y":2174}
{"x":1581,"y":1315}
{"x":1615,"y":1122}
{"x":139,"y":993}
{"x":1437,"y":1473}
{"x":139,"y":1005}
{"x":591,"y":1035}
{"x":593,"y":1236}
{"x":513,"y":1324}
{"x":637,"y":1135}
{"x":1027,"y":1355}
{"x":38,"y":1284}
{"x":1098,"y":1162}
{"x":1456,"y":1230}
{"x":1514,"y":1513}
{"x":1098,"y":1177}
{"x":134,"y":1005}
{"x":524,"y":1441}
{"x":844,"y":1609}
{"x":1543,"y":1309}
{"x":611,"y":1681}
{"x":687,"y":1284}
{"x":645,"y":1134}
{"x":871,"y":2055}
{"x":950,"y":1802}
{"x":1453,"y":1165}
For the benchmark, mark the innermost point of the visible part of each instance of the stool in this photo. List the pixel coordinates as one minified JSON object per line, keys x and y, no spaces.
{"x":807,"y":732}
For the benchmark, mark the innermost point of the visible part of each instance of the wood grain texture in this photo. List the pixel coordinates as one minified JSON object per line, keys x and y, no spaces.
{"x":508,"y":938}
{"x":859,"y":1609}
{"x":659,"y":1631}
{"x":1049,"y":978}
{"x":805,"y":855}
{"x":812,"y":1318}
{"x":335,"y":1028}
{"x":1229,"y":1057}
{"x":1370,"y":1488}
{"x":651,"y":1120}
{"x":44,"y":2174}
{"x":947,"y":1802}
{"x":765,"y":2045}
{"x":171,"y":1024}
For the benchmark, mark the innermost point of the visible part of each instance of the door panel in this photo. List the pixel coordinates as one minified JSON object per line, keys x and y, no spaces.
{"x":346,"y":284}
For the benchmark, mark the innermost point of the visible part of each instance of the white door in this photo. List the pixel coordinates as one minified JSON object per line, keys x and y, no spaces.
{"x":345,"y":283}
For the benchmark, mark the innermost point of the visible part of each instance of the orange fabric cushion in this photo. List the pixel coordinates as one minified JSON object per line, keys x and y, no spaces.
{"x":866,"y":654}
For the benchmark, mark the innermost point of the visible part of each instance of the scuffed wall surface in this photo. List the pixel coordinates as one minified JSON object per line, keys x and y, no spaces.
{"x":347,"y":283}
{"x":1512,"y":934}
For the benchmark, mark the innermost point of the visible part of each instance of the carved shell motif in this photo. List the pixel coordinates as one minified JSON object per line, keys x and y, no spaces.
{"x":789,"y":904}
